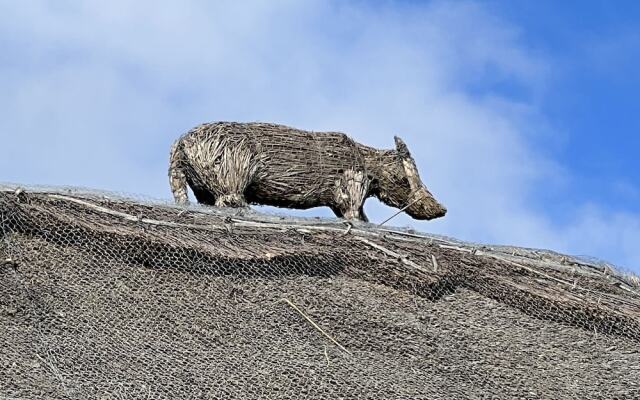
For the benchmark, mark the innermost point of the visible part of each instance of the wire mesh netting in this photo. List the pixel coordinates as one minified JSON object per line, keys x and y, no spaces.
{"x":105,"y":297}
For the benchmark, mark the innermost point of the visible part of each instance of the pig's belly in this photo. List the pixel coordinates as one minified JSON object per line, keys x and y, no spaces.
{"x":294,"y":188}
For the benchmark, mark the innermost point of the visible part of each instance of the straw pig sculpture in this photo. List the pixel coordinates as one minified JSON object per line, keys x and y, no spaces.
{"x":230,"y":164}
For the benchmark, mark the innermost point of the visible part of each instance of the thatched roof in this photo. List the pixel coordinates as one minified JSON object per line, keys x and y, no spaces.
{"x":107,"y":297}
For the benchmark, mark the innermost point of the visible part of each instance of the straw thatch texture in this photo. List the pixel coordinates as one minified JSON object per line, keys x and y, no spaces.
{"x":232,"y":164}
{"x":104,"y":297}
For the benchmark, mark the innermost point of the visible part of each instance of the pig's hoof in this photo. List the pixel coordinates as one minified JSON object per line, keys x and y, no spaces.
{"x":231,"y":200}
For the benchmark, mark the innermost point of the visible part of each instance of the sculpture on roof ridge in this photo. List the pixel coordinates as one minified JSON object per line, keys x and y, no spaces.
{"x":232,"y":164}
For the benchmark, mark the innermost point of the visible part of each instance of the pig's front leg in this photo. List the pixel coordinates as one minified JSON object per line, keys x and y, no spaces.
{"x":352,"y":189}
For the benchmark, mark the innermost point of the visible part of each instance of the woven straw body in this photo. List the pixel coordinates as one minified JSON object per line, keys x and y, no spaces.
{"x":232,"y":164}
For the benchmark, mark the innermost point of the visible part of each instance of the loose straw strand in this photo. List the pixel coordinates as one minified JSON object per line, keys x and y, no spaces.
{"x":402,"y":210}
{"x":305,"y":316}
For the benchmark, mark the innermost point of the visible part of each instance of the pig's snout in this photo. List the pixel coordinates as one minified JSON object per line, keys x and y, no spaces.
{"x":427,"y":208}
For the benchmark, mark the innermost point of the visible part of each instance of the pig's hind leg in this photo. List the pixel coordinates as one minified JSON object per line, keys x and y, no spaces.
{"x":232,"y":172}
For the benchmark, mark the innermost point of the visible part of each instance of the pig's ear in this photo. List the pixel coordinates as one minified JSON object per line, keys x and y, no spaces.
{"x":402,"y":148}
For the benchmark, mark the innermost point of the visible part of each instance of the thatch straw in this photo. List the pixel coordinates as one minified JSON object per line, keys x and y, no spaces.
{"x":106,"y":297}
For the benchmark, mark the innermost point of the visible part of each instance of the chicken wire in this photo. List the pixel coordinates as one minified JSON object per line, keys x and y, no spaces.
{"x":108,"y":297}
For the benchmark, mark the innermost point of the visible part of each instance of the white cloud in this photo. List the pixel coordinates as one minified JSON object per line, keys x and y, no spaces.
{"x":96,"y":92}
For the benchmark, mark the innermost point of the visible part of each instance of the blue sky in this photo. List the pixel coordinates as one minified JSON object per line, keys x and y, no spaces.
{"x":594,"y":47}
{"x":522,"y":116}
